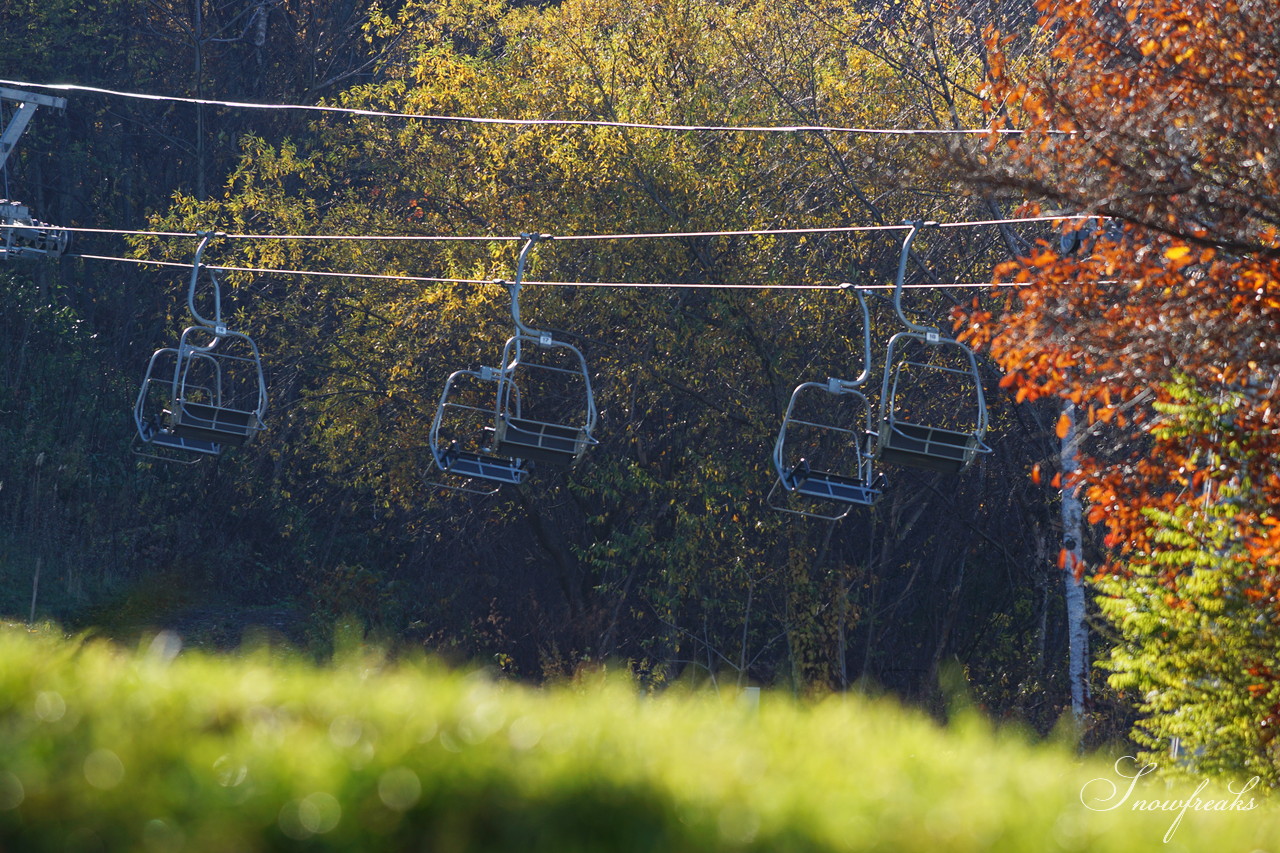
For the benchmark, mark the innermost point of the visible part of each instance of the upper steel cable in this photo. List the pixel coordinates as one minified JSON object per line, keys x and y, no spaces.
{"x":532,"y":122}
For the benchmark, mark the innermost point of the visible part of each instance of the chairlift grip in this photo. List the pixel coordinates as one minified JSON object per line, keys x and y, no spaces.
{"x":545,"y":339}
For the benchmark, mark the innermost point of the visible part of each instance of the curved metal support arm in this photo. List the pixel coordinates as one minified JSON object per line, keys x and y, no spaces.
{"x":514,"y":286}
{"x":216,"y":323}
{"x":866,"y":343}
{"x":916,"y":225}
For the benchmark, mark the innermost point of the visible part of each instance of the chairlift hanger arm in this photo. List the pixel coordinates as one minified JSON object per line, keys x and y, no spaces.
{"x":216,"y":323}
{"x":866,"y":343}
{"x":514,"y":286}
{"x":916,"y":224}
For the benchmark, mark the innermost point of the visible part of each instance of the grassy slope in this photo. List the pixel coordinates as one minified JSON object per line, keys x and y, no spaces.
{"x":103,"y":748}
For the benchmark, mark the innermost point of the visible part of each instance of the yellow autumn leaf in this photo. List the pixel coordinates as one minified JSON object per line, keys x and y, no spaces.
{"x":1177,"y":253}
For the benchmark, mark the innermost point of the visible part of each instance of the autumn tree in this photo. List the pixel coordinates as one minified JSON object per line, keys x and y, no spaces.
{"x":1158,"y":319}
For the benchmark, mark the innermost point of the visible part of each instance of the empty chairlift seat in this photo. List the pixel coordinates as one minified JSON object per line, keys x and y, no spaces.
{"x":929,"y":447}
{"x":822,"y":453}
{"x":214,"y":424}
{"x":826,"y":485}
{"x":462,"y":432}
{"x":552,"y":444}
{"x":822,"y":456}
{"x":944,"y":427}
{"x":546,"y":410}
{"x":206,"y":394}
{"x":469,"y":464}
{"x":932,"y":411}
{"x":220,"y":394}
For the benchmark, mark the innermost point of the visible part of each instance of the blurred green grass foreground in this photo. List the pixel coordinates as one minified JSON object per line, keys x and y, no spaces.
{"x":108,"y":749}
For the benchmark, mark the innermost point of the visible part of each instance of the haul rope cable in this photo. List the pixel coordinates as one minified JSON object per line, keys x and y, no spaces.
{"x":877,"y":131}
{"x":616,"y":284}
{"x":572,"y":237}
{"x":408,"y":238}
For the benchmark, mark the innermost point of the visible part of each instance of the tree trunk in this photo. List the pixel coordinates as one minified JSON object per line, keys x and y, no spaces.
{"x":1077,"y":630}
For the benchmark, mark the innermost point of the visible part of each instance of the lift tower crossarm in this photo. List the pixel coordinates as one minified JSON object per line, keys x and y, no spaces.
{"x":27,"y":103}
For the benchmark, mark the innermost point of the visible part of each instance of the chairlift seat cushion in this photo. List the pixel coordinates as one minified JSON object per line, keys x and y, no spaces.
{"x":496,"y":468}
{"x":552,"y":444}
{"x":928,"y":447}
{"x":202,"y":421}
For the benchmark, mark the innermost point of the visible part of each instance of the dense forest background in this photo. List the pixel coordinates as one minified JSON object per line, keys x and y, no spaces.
{"x":659,"y":549}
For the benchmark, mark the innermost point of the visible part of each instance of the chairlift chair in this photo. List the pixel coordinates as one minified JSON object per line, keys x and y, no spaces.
{"x":211,"y":386}
{"x":155,"y":437}
{"x":546,"y":412}
{"x":823,"y":451}
{"x":951,"y":436}
{"x":541,"y":408}
{"x":546,"y":408}
{"x":219,"y":392}
{"x":461,"y":434}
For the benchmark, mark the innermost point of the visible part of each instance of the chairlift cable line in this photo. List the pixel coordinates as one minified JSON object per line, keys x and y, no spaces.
{"x":603,"y":284}
{"x":546,"y":122}
{"x":272,"y":271}
{"x":433,"y":280}
{"x":651,"y":235}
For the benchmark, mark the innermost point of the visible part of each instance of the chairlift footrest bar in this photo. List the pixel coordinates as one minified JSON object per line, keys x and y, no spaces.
{"x":167,"y":439}
{"x":158,"y":437}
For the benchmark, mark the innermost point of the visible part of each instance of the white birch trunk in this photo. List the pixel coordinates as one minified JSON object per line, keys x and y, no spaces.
{"x":1072,"y":522}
